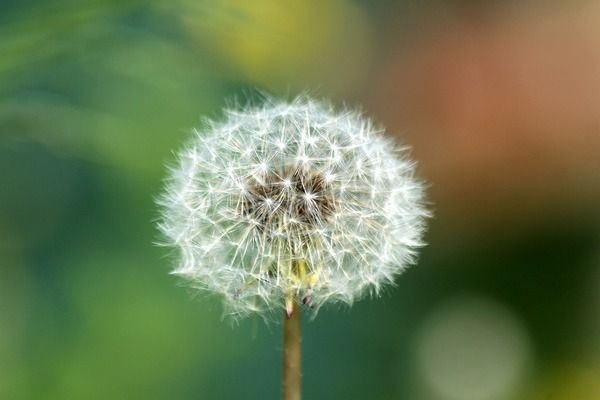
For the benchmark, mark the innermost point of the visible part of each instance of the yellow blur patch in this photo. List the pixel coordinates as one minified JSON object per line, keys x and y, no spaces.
{"x":285,"y":43}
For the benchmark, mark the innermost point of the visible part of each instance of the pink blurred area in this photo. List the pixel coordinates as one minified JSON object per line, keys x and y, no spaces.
{"x":502,"y":107}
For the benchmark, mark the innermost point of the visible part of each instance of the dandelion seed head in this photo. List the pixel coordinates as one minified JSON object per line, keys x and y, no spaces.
{"x":292,"y":200}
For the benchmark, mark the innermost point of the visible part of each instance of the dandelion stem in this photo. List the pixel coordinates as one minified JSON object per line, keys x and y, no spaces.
{"x":291,"y":355}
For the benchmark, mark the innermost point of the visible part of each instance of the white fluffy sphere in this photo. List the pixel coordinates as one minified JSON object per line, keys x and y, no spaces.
{"x":292,"y":202}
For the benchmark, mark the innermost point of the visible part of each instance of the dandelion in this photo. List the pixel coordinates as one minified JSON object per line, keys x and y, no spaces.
{"x":290,"y":204}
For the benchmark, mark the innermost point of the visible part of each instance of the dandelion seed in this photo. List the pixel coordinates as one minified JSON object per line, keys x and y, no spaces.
{"x":292,"y":203}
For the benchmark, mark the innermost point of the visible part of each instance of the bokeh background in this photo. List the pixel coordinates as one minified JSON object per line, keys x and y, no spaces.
{"x":499,"y":100}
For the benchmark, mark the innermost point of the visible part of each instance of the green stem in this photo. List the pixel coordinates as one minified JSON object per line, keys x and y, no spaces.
{"x":291,"y":355}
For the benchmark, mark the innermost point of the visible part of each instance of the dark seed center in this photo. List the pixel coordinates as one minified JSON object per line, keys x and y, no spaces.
{"x":291,"y":199}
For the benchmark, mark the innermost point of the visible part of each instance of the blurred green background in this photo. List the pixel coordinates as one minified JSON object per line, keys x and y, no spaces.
{"x":499,"y":100}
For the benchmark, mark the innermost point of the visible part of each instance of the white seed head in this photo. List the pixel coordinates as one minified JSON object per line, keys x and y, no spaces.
{"x":292,"y":201}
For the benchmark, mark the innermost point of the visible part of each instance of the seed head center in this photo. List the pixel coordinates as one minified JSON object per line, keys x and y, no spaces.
{"x":292,"y":200}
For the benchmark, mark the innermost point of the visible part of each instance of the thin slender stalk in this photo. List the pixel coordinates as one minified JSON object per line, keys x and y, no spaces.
{"x":291,"y":355}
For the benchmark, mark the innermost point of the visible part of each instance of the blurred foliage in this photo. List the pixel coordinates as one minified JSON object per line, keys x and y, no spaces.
{"x":95,"y":96}
{"x":285,"y":44}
